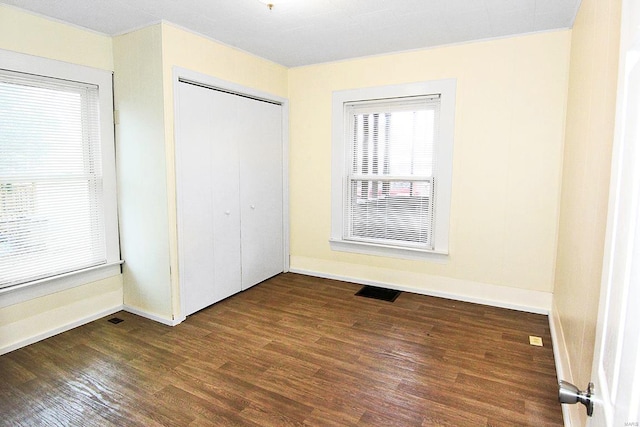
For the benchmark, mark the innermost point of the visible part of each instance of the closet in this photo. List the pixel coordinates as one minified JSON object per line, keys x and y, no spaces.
{"x":229,"y":167}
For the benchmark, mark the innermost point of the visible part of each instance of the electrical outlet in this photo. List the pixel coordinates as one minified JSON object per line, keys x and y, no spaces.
{"x":537,"y":341}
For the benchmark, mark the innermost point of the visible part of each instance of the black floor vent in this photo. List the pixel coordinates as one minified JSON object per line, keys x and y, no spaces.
{"x":115,"y":320}
{"x":378,"y":293}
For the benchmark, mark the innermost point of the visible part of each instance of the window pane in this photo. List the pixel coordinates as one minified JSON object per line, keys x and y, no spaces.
{"x":399,"y":143}
{"x":391,"y":169}
{"x":51,"y":212}
{"x":398,"y":212}
{"x":390,"y":199}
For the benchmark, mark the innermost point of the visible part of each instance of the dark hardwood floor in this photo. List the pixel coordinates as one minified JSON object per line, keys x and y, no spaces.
{"x":294,"y":350}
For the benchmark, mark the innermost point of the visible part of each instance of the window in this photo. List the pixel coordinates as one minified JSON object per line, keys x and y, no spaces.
{"x":391,"y":171}
{"x":57,"y":174}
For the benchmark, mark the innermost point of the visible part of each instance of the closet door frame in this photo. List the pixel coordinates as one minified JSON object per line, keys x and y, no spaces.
{"x":185,"y":75}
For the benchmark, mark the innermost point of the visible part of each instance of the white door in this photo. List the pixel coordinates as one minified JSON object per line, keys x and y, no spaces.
{"x":207,"y":191}
{"x":194,"y":251}
{"x":616,"y":366}
{"x":225,"y":184}
{"x":261,"y":191}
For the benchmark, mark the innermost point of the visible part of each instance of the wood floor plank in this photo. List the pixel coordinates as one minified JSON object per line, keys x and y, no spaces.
{"x":292,"y":351}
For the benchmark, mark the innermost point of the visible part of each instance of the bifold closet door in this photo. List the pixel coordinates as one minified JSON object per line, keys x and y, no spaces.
{"x":208,"y":204}
{"x":261,"y":191}
{"x":229,"y":164}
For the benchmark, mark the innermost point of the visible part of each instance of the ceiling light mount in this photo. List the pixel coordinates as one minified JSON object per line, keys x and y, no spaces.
{"x":269,"y":3}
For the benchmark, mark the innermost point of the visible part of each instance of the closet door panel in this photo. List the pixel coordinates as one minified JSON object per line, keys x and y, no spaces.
{"x":195,"y":198}
{"x":208,"y":204}
{"x":261,"y":191}
{"x":225,"y":187}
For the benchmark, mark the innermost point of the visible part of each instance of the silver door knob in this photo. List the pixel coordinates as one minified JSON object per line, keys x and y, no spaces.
{"x":227,"y":213}
{"x":568,"y":393}
{"x":253,"y":206}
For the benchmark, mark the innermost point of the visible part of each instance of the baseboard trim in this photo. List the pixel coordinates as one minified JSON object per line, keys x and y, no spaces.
{"x":152,"y":316}
{"x":503,"y":297}
{"x":85,"y":320}
{"x":59,"y":330}
{"x":561,"y":356}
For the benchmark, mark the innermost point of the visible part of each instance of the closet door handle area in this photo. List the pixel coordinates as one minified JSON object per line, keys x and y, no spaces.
{"x":227,"y":213}
{"x":253,"y":207}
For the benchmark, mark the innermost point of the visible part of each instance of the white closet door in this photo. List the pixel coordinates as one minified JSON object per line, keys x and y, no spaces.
{"x":208,"y":204}
{"x":224,"y":125}
{"x":261,"y":191}
{"x":230,"y":193}
{"x":193,"y":163}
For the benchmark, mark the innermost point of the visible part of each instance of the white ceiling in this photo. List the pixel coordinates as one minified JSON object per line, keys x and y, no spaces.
{"x":302,"y":32}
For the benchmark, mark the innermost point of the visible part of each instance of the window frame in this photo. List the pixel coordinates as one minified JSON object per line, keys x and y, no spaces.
{"x":28,"y":64}
{"x":341,"y":146}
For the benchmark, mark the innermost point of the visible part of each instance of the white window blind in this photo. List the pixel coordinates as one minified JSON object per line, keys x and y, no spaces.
{"x":51,"y":188}
{"x":392,"y":164}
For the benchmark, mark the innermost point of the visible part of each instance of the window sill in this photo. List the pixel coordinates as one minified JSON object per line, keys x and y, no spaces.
{"x":27,"y":291}
{"x":441,"y":257}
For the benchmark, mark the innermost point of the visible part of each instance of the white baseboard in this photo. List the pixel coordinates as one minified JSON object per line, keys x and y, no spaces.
{"x":464,"y":290}
{"x":561,"y":356}
{"x":85,"y":320}
{"x":59,"y":330}
{"x":152,"y":316}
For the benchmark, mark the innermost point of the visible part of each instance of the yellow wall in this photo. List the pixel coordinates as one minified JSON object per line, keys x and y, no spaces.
{"x":25,"y":33}
{"x":509,"y":129}
{"x":38,"y":318}
{"x":585,"y":184}
{"x":142,"y":191}
{"x":218,"y":60}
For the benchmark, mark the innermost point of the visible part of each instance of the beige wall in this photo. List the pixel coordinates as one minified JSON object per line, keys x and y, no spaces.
{"x":142,"y":192}
{"x":33,"y":35}
{"x":585,"y":184}
{"x":30,"y":321}
{"x":509,"y":129}
{"x":22,"y":322}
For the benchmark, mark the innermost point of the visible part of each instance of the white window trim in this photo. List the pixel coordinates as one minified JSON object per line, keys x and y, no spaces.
{"x":29,"y":64}
{"x":444,"y":152}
